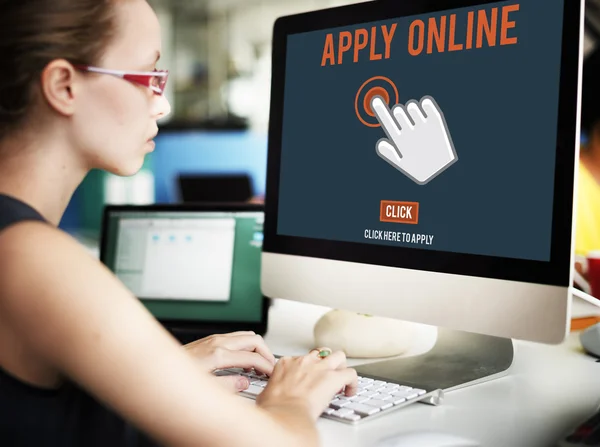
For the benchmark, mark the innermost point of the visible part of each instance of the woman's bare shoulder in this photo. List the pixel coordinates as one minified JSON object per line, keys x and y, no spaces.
{"x":42,"y":271}
{"x":28,"y":246}
{"x":21,"y":233}
{"x":47,"y":275}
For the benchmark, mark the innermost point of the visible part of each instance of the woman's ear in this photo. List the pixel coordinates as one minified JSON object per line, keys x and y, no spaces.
{"x":57,"y":86}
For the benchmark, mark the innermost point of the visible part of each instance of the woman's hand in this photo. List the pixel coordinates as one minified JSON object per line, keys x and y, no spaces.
{"x":310,"y":380}
{"x":235,"y":350}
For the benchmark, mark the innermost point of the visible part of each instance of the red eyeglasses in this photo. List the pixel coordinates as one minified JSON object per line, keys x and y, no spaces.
{"x":155,"y":80}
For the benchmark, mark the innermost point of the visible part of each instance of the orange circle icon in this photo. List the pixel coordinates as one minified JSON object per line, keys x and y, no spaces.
{"x":371,"y":93}
{"x":375,"y":91}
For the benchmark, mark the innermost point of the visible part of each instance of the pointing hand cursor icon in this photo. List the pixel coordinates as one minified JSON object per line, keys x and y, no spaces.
{"x":419,"y":143}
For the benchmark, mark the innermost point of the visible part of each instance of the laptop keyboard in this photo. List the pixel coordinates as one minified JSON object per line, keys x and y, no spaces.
{"x":373,"y":398}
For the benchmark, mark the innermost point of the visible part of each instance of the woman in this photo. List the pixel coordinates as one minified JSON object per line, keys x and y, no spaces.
{"x":81,"y":360}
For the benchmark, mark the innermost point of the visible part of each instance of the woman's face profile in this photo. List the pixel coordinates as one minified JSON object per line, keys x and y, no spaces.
{"x":117,"y":119}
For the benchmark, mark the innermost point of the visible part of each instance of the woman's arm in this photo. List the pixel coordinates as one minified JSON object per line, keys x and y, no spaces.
{"x":79,"y":318}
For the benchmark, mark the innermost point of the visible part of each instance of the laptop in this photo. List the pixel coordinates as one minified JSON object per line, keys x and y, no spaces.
{"x":196,"y":267}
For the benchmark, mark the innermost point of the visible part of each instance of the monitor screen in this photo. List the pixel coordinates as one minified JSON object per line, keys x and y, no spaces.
{"x":422,"y":161}
{"x":459,"y":154}
{"x":189,"y":265}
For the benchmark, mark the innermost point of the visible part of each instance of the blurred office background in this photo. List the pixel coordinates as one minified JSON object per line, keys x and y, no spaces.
{"x":218,"y":53}
{"x":219,"y":56}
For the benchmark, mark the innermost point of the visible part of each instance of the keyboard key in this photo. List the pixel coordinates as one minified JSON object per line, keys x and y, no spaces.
{"x":231,"y":370}
{"x":392,"y":386}
{"x":339,"y":403}
{"x":254,"y":390}
{"x":353,"y":417}
{"x":225,"y":372}
{"x":381,"y":404}
{"x":362,"y":409}
{"x":359,"y":399}
{"x":409,"y":394}
{"x":369,"y":394}
{"x":342,"y":412}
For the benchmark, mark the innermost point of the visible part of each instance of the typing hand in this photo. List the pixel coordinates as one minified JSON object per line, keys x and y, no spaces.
{"x":310,"y":381}
{"x":419,"y":145}
{"x":234,"y":350}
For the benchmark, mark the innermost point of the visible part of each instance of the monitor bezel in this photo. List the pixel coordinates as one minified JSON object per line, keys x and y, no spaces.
{"x":554,"y":272}
{"x":203,"y":326}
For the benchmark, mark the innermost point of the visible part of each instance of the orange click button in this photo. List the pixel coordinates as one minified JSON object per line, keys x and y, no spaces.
{"x":399,"y":212}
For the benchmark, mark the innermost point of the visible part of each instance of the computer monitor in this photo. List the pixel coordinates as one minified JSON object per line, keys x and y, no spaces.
{"x":195,"y":267}
{"x":421,"y":163}
{"x":221,"y":188}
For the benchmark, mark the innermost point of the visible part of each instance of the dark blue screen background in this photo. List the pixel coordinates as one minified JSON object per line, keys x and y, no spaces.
{"x":500,"y":105}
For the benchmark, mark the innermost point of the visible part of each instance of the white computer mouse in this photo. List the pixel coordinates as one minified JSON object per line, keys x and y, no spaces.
{"x":590,"y":340}
{"x":426,"y":439}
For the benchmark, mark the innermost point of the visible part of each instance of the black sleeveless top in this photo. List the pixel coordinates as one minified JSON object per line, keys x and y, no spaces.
{"x":66,"y":416}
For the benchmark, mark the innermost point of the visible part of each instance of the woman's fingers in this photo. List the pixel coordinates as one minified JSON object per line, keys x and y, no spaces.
{"x":336,"y":360}
{"x":235,"y":334}
{"x":234,"y":383}
{"x":347,"y":378}
{"x":225,"y":358}
{"x":246,"y":342}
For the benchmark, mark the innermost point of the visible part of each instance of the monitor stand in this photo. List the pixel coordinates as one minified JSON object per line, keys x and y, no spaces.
{"x":458,"y":359}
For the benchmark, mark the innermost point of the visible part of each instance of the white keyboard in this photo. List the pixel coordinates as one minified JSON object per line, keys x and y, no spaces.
{"x":373,"y":398}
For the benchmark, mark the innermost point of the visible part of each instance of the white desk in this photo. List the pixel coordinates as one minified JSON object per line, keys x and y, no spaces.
{"x":547,"y":391}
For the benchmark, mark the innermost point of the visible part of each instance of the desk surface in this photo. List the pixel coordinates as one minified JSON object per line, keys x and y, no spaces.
{"x":548,"y":390}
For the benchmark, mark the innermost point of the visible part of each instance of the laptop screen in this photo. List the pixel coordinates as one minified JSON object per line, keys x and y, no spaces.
{"x":189,"y":265}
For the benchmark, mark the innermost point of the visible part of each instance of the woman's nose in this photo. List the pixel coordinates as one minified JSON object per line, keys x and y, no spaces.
{"x":162,"y":107}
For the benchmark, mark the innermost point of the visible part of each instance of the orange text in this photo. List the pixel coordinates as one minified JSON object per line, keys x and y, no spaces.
{"x":349,"y":46}
{"x":489,"y":28}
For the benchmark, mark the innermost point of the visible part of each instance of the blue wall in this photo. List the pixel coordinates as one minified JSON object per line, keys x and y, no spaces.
{"x":207,"y":152}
